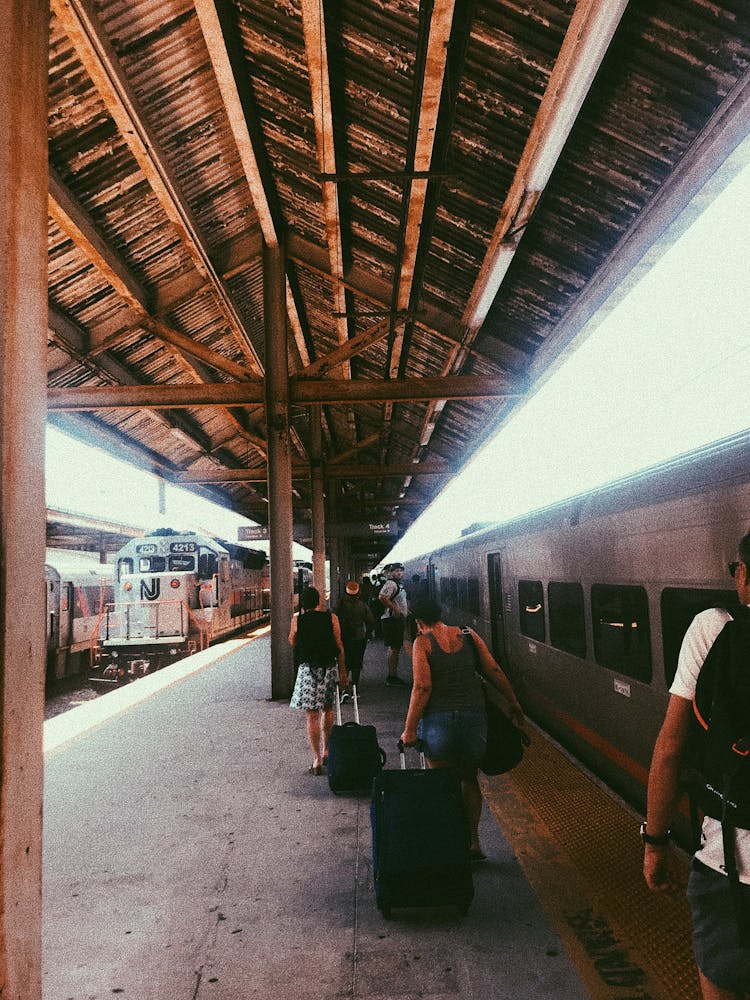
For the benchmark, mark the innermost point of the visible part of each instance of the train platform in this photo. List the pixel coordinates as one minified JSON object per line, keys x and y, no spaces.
{"x":189,"y":854}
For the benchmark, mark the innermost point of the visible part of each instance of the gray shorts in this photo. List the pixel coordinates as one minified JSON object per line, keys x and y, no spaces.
{"x":718,"y":952}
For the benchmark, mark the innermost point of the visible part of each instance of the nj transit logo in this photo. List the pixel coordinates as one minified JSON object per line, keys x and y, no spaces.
{"x":150,"y":590}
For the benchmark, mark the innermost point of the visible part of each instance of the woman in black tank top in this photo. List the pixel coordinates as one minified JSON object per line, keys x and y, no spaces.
{"x":319,"y":653}
{"x":446,"y":710}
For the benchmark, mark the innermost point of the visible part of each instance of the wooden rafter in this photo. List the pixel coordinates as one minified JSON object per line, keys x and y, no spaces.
{"x":81,"y":23}
{"x":326,"y":391}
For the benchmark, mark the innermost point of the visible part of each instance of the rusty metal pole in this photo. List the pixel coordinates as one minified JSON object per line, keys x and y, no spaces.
{"x":279,"y":469}
{"x":23,"y":386}
{"x":318,"y":499}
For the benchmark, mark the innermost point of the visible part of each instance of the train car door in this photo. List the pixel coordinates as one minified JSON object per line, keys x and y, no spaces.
{"x":431,"y":585}
{"x":497,"y":621}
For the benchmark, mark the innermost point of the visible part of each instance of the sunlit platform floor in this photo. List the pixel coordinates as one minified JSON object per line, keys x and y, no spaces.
{"x":190,"y":855}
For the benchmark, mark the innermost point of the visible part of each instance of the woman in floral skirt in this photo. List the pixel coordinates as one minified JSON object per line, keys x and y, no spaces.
{"x":316,"y":638}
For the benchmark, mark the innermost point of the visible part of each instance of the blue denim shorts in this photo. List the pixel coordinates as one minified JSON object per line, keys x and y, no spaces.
{"x":718,"y":952}
{"x":460,"y":737}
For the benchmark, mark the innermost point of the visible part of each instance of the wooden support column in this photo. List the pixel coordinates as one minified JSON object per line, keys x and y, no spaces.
{"x":333,"y":546}
{"x":318,"y":499}
{"x":279,"y":469}
{"x":23,"y":385}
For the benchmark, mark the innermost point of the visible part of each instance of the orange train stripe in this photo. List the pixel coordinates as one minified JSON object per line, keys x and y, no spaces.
{"x":594,"y":739}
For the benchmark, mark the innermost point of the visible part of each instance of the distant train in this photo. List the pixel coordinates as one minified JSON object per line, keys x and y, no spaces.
{"x":167,"y":595}
{"x":77,"y":594}
{"x":175,"y":593}
{"x":585,"y":603}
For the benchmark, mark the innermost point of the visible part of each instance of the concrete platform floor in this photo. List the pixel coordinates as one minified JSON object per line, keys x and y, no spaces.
{"x":189,"y":855}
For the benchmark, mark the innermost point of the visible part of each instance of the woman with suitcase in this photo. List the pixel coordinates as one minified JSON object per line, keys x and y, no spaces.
{"x":316,"y":638}
{"x":447,"y":708}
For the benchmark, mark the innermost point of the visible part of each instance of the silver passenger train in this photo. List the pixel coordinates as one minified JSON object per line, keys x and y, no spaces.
{"x":585,"y":603}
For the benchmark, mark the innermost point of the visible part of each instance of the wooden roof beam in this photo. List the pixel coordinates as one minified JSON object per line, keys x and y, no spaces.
{"x":213,"y":34}
{"x":302,"y":471}
{"x":80,"y":22}
{"x":302,"y":391}
{"x":316,"y":50}
{"x":441,"y":21}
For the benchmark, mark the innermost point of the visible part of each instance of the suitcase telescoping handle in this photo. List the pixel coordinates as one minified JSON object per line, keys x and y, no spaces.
{"x":419,"y":745}
{"x":354,"y":702}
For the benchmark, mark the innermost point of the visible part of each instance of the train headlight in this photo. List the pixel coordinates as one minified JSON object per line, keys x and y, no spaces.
{"x":173,"y":652}
{"x":174,"y":584}
{"x":127,"y":586}
{"x":114,"y":654}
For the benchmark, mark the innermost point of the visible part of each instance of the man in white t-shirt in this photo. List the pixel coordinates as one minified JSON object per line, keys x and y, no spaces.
{"x":723,"y":962}
{"x":393,"y":621}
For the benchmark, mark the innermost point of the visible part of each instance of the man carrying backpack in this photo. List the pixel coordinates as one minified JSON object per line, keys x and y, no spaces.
{"x":393,"y":621}
{"x":707,"y":727}
{"x":356,"y":620}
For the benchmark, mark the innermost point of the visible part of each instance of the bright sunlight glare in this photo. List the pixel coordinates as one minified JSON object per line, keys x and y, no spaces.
{"x":105,"y":487}
{"x":665,"y":372}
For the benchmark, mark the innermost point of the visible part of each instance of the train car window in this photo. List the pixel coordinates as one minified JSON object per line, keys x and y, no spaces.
{"x":567,"y":628}
{"x":445,"y":593}
{"x":622,"y":636}
{"x":679,"y":605}
{"x":462,"y":594}
{"x":474,"y":600}
{"x":531,"y":609}
{"x":152,"y":564}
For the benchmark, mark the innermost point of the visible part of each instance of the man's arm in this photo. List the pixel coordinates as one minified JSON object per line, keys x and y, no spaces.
{"x":664,"y":789}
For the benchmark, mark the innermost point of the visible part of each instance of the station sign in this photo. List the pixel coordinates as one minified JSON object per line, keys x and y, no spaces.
{"x":252,"y":533}
{"x":259,"y":532}
{"x":364,"y":529}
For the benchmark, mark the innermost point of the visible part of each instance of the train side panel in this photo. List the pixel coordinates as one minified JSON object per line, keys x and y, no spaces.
{"x":585,"y":604}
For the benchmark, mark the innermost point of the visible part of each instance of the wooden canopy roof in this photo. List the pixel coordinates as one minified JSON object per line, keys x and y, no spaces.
{"x":457,"y":186}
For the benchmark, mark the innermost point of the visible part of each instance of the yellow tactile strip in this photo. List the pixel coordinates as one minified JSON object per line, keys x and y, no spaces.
{"x":581,"y":852}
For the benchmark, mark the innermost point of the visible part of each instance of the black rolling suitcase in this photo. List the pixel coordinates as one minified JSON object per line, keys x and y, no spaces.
{"x":420,"y":839}
{"x":354,"y":757}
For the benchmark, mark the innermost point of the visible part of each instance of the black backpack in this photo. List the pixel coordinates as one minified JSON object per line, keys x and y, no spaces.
{"x":717,"y":764}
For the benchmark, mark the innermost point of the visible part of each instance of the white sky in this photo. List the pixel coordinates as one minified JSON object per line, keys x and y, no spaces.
{"x":103,"y":486}
{"x":666,"y":371}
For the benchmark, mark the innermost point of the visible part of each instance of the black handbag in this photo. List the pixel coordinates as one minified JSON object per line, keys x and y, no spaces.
{"x":505,"y":741}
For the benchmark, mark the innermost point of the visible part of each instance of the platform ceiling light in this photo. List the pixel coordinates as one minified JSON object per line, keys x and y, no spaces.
{"x":502,"y":258}
{"x":580,"y":57}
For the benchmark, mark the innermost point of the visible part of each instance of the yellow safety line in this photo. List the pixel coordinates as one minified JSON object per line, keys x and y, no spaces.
{"x":580,"y":850}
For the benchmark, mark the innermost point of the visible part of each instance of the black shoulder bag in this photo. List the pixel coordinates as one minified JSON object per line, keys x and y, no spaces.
{"x":505,"y":741}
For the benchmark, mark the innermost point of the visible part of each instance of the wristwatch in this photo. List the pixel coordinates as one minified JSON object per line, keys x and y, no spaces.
{"x":661,"y":841}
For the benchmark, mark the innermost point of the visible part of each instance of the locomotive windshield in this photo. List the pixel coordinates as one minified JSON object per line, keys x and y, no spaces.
{"x":152,"y":564}
{"x":181,"y":564}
